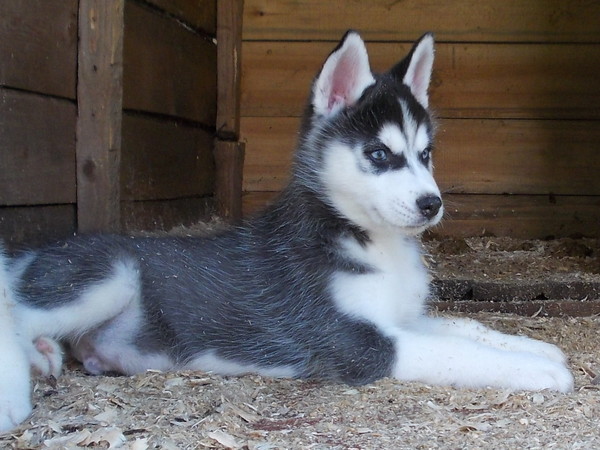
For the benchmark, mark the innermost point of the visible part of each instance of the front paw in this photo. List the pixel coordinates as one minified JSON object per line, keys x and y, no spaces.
{"x":14,"y":409}
{"x":537,"y":373}
{"x":15,"y":397}
{"x":544,"y":349}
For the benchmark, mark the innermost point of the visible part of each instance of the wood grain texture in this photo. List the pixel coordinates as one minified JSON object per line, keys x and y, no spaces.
{"x":229,"y":160}
{"x":229,"y":38}
{"x":472,"y":80}
{"x":460,"y":20}
{"x":165,"y":214}
{"x":38,"y":46}
{"x":168,"y":68}
{"x":37,"y":149}
{"x":165,"y":160}
{"x":199,"y":14}
{"x":519,"y":216}
{"x":99,"y":94}
{"x":32,"y":226}
{"x":471,"y":156}
{"x":530,"y":308}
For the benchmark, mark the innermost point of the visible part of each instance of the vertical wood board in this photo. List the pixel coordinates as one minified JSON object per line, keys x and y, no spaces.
{"x":99,"y":94}
{"x":229,"y":160}
{"x":229,"y":38}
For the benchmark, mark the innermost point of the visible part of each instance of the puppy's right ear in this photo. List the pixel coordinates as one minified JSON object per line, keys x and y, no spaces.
{"x":343,"y":78}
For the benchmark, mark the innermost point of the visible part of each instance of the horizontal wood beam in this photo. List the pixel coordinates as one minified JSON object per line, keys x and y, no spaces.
{"x":518,"y":81}
{"x":471,"y":156}
{"x":458,"y":20}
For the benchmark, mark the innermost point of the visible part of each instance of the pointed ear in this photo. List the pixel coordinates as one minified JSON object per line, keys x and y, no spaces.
{"x":344,"y":76}
{"x":415,"y":70}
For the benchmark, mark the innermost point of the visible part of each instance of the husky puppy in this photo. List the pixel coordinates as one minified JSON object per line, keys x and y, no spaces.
{"x":328,"y":282}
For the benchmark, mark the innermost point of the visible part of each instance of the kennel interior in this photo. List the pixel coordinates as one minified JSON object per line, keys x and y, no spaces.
{"x":516,"y":94}
{"x":117,"y":115}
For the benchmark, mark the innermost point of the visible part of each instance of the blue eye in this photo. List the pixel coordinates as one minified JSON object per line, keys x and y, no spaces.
{"x":379,"y":155}
{"x":426,"y":155}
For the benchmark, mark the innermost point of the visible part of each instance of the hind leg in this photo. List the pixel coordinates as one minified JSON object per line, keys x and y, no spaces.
{"x":114,"y":347}
{"x":114,"y":300}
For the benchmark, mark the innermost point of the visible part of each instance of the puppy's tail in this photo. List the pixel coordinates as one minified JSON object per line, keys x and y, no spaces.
{"x":15,"y":400}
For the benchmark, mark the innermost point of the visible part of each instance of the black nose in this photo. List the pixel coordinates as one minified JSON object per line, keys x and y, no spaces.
{"x":429,"y":205}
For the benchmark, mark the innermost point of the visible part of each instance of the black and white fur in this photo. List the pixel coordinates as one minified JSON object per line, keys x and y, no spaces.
{"x":328,"y":282}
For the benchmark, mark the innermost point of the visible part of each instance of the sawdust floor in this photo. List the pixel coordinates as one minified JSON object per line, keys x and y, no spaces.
{"x":196,"y":410}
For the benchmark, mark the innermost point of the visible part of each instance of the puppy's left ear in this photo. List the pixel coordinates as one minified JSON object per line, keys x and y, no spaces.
{"x":415,"y":70}
{"x":343,"y":78}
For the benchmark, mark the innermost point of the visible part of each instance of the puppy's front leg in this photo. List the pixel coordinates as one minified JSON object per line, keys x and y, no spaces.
{"x":443,"y":359}
{"x":15,"y":397}
{"x":476,"y":331}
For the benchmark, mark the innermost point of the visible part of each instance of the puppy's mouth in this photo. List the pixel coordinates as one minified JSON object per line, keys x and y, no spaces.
{"x":421,"y":223}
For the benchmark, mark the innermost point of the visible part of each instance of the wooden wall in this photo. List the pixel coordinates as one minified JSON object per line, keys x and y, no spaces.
{"x":163,"y":73}
{"x":515,"y":87}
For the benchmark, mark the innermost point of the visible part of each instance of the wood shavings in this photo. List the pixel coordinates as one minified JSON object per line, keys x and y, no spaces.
{"x":184,"y":410}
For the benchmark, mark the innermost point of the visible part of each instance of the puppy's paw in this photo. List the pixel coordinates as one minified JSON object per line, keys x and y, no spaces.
{"x":15,"y":398}
{"x":46,"y":357}
{"x":537,"y":373}
{"x":544,"y":349}
{"x":14,"y":408}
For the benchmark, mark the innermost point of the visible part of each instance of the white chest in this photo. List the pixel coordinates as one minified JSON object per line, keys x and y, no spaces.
{"x":396,"y":289}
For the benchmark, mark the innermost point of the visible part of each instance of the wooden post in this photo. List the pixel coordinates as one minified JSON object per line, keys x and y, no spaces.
{"x":229,"y":153}
{"x":229,"y":161}
{"x":229,"y":47}
{"x":99,"y":100}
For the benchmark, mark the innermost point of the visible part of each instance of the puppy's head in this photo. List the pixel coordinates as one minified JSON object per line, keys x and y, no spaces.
{"x":373,"y":135}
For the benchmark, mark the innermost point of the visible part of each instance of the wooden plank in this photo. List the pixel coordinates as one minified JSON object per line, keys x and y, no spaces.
{"x":229,"y":159}
{"x":270,"y":144}
{"x":520,"y":216}
{"x":165,"y":160}
{"x":200,"y":14}
{"x":38,"y":46}
{"x":543,"y":308}
{"x":229,"y":37}
{"x":468,"y":288}
{"x":518,"y":156}
{"x":459,"y":20}
{"x":99,"y":94}
{"x":470,"y":80}
{"x":254,"y":202}
{"x":165,"y":214}
{"x":472,"y":156}
{"x":168,"y":68}
{"x":32,"y":226}
{"x":37,"y":142}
